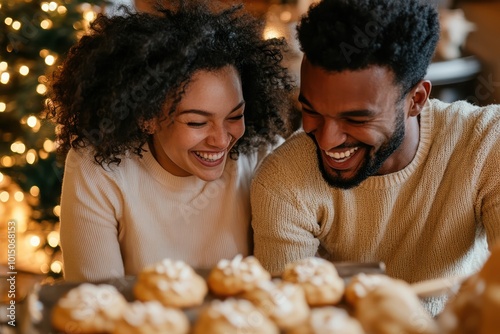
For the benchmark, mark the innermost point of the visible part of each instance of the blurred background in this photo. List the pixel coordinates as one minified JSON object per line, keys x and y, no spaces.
{"x":36,"y":34}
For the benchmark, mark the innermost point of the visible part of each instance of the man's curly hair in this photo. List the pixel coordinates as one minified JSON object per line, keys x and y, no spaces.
{"x":122,"y":73}
{"x":401,"y":35}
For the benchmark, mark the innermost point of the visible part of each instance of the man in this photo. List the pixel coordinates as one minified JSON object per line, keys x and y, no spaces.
{"x":380,"y":172}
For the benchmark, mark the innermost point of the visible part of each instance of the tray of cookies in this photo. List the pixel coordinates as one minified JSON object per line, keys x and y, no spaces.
{"x":236,"y":296}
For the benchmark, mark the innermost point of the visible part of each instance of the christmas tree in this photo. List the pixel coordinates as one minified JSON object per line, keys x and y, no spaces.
{"x":35,"y":35}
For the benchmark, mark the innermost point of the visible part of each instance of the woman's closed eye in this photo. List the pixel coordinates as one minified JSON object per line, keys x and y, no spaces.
{"x":236,"y":118}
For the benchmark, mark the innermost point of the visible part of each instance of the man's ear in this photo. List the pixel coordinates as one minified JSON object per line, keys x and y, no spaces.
{"x":419,"y":96}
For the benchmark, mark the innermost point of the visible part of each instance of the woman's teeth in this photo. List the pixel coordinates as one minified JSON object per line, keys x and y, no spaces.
{"x":342,"y":155}
{"x":210,"y":156}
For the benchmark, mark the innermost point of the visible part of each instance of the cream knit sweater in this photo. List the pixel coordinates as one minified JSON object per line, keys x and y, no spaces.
{"x":432,"y":219}
{"x":115,"y":222}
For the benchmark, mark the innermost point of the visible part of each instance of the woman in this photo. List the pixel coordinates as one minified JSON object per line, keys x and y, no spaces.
{"x":164,"y":119}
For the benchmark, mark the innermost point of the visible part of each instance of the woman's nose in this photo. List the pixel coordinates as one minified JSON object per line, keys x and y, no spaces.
{"x":219,"y":137}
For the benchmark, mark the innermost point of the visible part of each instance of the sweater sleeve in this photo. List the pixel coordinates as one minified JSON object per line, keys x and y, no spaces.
{"x":285,"y":226}
{"x":89,"y":228}
{"x":488,"y":203}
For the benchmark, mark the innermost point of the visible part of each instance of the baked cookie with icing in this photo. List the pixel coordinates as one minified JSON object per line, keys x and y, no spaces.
{"x":173,"y":283}
{"x":326,"y":320}
{"x":231,"y":277}
{"x":88,"y":308}
{"x":283,"y":302}
{"x":359,"y":285}
{"x":319,"y":278}
{"x":233,"y":316}
{"x":151,"y":318}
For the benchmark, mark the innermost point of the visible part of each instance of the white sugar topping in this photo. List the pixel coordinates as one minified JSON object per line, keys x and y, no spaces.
{"x":314,"y":270}
{"x":238,"y":312}
{"x":329,"y":319}
{"x":153,"y":312}
{"x":248,"y":268}
{"x":176,"y":275}
{"x":88,"y":299}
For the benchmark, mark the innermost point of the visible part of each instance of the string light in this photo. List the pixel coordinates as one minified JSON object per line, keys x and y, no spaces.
{"x":19,"y":196}
{"x":24,"y":70}
{"x":16,"y":25}
{"x":4,"y":78}
{"x":3,"y":106}
{"x":31,"y":156}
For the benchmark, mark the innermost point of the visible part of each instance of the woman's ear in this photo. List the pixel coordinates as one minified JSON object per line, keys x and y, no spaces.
{"x":419,"y":96}
{"x":150,"y":126}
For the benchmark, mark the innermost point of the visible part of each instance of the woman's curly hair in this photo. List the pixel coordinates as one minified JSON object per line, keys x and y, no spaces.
{"x":401,"y":35}
{"x":121,"y":74}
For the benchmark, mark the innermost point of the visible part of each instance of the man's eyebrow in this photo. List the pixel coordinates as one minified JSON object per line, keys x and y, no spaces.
{"x":206,"y":113}
{"x":347,"y":113}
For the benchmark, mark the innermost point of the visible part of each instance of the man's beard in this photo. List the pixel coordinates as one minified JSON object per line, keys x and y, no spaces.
{"x":371,"y":165}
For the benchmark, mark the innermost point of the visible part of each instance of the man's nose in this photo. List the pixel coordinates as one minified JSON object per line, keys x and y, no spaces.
{"x":330,"y":134}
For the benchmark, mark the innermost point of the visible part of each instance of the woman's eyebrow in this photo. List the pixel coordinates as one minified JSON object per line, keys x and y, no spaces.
{"x":206,"y":113}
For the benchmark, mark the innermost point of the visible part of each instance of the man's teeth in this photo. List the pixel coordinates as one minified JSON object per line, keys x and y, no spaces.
{"x":342,"y":155}
{"x":210,"y":156}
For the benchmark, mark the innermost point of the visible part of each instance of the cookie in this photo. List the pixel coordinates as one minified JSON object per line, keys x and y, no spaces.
{"x":173,"y":283}
{"x":394,"y":308}
{"x":283,"y":302}
{"x":88,"y":308}
{"x":319,"y":278}
{"x":326,"y":320}
{"x":151,"y":318}
{"x":359,"y":285}
{"x":233,"y":316}
{"x":231,"y":277}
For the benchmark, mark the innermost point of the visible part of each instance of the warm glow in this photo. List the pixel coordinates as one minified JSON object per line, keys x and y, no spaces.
{"x":8,"y":21}
{"x":16,"y":25}
{"x":50,"y":60}
{"x":35,"y":241}
{"x":56,"y":267}
{"x":5,"y":77}
{"x":1,"y":177}
{"x":61,"y":10}
{"x":24,"y":70}
{"x":3,"y":66}
{"x":7,"y":161}
{"x":44,"y":268}
{"x":43,"y":53}
{"x":4,"y":196}
{"x":49,"y":145}
{"x":271,"y":32}
{"x":52,"y":6}
{"x":43,"y":154}
{"x":57,"y":210}
{"x":31,"y":157}
{"x":90,"y":15}
{"x":41,"y":89}
{"x":45,"y":6}
{"x":32,"y":121}
{"x":46,"y":24}
{"x":18,"y":147}
{"x":19,"y":196}
{"x":53,"y":239}
{"x":3,"y":106}
{"x":285,"y":16}
{"x":34,"y":191}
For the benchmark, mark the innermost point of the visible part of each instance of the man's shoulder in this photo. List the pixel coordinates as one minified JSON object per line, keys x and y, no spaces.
{"x":295,"y":155}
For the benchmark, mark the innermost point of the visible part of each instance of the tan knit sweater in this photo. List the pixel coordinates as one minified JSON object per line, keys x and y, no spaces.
{"x":432,"y":219}
{"x":115,"y":222}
